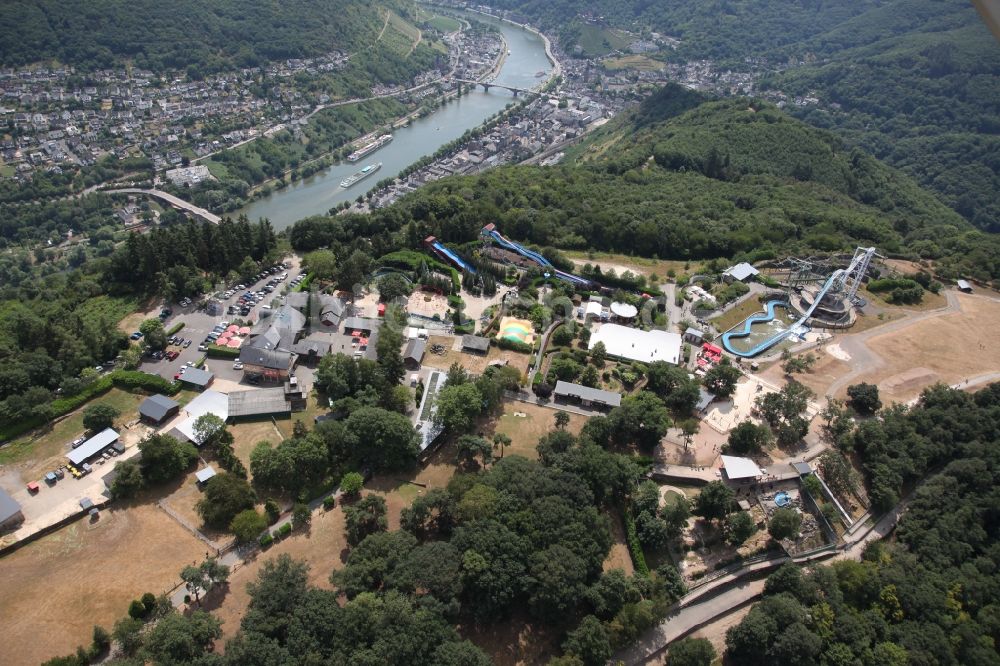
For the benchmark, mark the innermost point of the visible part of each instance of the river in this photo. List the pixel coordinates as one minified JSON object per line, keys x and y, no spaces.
{"x":319,"y":193}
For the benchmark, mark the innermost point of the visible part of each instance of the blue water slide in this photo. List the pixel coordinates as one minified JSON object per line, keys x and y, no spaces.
{"x":520,"y":249}
{"x":769,"y":316}
{"x":575,"y":279}
{"x":454,"y":258}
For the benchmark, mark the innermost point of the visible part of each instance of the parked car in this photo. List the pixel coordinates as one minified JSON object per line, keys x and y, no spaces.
{"x":202,"y":347}
{"x":237,"y":365}
{"x":135,"y":336}
{"x":187,"y":343}
{"x":172,"y":355}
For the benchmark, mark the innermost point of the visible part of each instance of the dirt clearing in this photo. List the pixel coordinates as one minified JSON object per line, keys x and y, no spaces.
{"x":949,"y":348}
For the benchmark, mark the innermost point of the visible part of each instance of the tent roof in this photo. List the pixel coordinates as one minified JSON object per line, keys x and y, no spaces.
{"x":740,"y":468}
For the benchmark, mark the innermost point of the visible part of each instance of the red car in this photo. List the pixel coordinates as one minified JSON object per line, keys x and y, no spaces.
{"x":172,"y":355}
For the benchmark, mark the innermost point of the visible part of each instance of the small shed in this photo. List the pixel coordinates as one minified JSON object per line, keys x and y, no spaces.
{"x":10,"y":511}
{"x":203,"y":475}
{"x":587,"y":396}
{"x":413,"y":354}
{"x":157,"y":408}
{"x":475,"y":344}
{"x":963,"y":285}
{"x":802,"y":468}
{"x":694,"y":335}
{"x":86,"y":504}
{"x":197,"y":378}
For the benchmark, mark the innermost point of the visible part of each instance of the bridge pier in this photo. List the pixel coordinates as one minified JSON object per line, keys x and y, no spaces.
{"x":486,"y":87}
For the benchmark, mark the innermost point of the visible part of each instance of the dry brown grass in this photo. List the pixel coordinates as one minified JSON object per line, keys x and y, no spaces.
{"x":526,"y":423}
{"x":247,"y":435}
{"x":474,"y":363}
{"x":86,"y":574}
{"x":948,"y":348}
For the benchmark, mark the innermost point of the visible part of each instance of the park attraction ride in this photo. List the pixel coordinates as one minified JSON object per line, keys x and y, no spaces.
{"x":439,"y":249}
{"x":834,"y":299}
{"x":491,"y":235}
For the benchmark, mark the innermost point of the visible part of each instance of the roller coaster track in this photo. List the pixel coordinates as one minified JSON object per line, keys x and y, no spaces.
{"x":848,"y":279}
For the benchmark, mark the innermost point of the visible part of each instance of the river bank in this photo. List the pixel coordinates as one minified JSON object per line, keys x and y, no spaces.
{"x":418,"y":134}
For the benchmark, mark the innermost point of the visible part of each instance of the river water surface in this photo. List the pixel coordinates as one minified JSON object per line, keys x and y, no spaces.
{"x":319,"y":193}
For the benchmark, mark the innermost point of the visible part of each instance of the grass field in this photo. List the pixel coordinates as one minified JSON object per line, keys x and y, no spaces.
{"x":444,"y":23}
{"x":643,"y":265}
{"x":598,"y":41}
{"x":526,"y":423}
{"x":47,"y":447}
{"x":633,"y":62}
{"x":217,"y":169}
{"x":730,"y":318}
{"x":86,"y":574}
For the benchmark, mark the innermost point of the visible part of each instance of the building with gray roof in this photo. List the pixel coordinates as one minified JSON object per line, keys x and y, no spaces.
{"x":591,"y":397}
{"x":93,"y":446}
{"x":475,"y":344}
{"x":10,"y":511}
{"x":156,"y":408}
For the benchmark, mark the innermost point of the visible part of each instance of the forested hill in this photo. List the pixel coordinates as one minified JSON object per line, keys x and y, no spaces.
{"x":738,"y":139}
{"x":914,"y":82}
{"x":707,"y":28}
{"x":682,"y":178}
{"x":917,"y":85}
{"x":210,"y":36}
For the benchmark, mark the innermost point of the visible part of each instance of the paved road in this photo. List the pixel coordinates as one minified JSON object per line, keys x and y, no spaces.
{"x":172,"y":200}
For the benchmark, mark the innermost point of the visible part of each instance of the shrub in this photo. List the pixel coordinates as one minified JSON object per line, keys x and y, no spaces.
{"x":175,"y":328}
{"x":149,"y":601}
{"x":285,"y":530}
{"x":266,"y":540}
{"x":272,"y":510}
{"x":329,"y":502}
{"x":247,"y":525}
{"x":514,"y":345}
{"x":352,"y":483}
{"x":215,"y":351}
{"x":137,"y":610}
{"x":634,"y":546}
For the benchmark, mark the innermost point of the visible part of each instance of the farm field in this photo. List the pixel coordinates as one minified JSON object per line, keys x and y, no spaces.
{"x":86,"y":574}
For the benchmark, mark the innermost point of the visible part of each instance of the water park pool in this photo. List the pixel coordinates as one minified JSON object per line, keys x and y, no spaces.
{"x":517,"y":330}
{"x":782,"y":499}
{"x":758,"y":332}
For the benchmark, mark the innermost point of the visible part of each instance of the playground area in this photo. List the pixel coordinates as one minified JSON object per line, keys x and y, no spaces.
{"x":516,"y":330}
{"x":724,"y":415}
{"x":427,"y":304}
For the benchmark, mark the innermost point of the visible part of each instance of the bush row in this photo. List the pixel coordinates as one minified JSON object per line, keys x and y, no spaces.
{"x":634,"y":546}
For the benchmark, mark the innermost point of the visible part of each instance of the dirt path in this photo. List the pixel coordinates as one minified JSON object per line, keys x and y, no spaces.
{"x":420,"y":38}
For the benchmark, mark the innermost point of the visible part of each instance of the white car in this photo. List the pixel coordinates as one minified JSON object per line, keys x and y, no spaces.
{"x":237,"y":365}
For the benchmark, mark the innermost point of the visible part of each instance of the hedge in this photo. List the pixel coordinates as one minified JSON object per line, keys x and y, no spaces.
{"x":129,"y":380}
{"x":175,"y":328}
{"x":285,"y":530}
{"x":634,"y":547}
{"x":514,"y":345}
{"x":266,"y":540}
{"x":888,"y":284}
{"x":215,"y":351}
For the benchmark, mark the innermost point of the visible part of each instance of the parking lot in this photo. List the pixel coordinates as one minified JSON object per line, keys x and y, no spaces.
{"x":198,"y":324}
